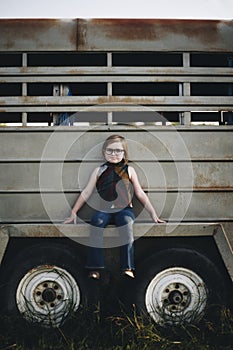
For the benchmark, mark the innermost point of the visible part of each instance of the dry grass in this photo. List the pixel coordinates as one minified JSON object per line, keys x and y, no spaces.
{"x":91,"y":330}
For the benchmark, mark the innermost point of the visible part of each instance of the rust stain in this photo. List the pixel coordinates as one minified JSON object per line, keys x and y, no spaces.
{"x":150,"y":29}
{"x":27,"y":28}
{"x":126,"y":29}
{"x":92,"y":34}
{"x":40,"y":33}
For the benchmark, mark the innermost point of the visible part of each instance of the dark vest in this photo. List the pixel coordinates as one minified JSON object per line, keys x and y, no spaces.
{"x":114,"y":186}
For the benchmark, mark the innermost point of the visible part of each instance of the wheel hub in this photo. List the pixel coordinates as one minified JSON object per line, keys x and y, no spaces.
{"x":47,"y":294}
{"x":176,"y":295}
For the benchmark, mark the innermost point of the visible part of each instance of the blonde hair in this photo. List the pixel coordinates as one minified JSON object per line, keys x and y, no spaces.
{"x":117,"y":138}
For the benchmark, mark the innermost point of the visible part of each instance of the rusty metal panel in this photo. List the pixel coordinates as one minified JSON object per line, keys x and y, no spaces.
{"x":119,"y":107}
{"x":124,"y":100}
{"x":10,"y":75}
{"x":114,"y":103}
{"x":177,"y":206}
{"x":186,"y":168}
{"x":76,"y":143}
{"x":153,"y":175}
{"x":38,"y":35}
{"x":115,"y":34}
{"x":111,"y":73}
{"x":82,"y":230}
{"x":155,"y":35}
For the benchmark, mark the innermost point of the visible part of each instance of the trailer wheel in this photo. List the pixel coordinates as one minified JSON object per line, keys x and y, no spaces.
{"x":176,"y":286}
{"x":44,"y":284}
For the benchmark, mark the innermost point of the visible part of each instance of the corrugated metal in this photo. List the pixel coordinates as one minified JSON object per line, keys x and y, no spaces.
{"x":115,"y":34}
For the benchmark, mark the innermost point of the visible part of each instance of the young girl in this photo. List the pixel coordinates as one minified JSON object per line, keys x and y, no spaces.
{"x":116,"y":182}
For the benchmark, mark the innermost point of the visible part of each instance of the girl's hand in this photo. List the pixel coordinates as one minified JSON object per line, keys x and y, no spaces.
{"x":72,"y":218}
{"x":158,"y":221}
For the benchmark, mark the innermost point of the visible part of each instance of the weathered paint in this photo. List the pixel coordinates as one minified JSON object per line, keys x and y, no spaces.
{"x":111,"y":73}
{"x":207,"y":176}
{"x":38,"y":35}
{"x":179,"y":101}
{"x":150,"y":34}
{"x":115,"y":34}
{"x":210,"y":143}
{"x":189,"y":169}
{"x":82,"y":230}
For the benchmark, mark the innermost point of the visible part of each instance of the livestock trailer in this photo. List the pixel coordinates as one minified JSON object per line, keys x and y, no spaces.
{"x":165,"y":85}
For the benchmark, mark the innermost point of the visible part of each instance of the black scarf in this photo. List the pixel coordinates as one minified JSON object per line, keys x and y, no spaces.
{"x":114,"y":186}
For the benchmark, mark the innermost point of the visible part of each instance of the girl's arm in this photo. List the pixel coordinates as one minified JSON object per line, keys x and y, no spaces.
{"x":84,"y":196}
{"x":141,"y":195}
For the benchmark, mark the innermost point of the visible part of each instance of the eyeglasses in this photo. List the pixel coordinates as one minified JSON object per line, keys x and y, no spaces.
{"x":110,"y":151}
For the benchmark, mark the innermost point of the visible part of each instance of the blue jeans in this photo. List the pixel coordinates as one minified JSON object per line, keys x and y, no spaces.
{"x":124,"y":220}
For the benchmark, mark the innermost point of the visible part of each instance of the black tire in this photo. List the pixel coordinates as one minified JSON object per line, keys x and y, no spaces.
{"x":177,"y":286}
{"x":44,"y":283}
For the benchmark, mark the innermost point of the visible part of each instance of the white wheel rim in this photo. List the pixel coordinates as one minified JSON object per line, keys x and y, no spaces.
{"x":176,"y":295}
{"x":47,"y":294}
